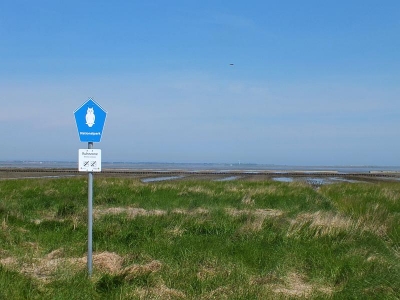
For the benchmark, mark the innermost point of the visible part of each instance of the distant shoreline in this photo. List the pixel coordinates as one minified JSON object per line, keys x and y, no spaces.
{"x":217,"y":175}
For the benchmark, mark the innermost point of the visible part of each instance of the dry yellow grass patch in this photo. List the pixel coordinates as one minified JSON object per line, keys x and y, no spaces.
{"x":51,"y":192}
{"x":220,"y":293}
{"x":131,"y":212}
{"x":207,"y":272}
{"x":321,"y":223}
{"x":3,"y":253}
{"x":390,"y":194}
{"x":258,"y":212}
{"x":256,"y":219}
{"x":263,"y":190}
{"x":4,"y":225}
{"x":330,"y":224}
{"x":43,"y":269}
{"x":375,"y":220}
{"x":8,"y":261}
{"x":247,"y":200}
{"x":106,"y":262}
{"x":192,"y":212}
{"x":47,"y":216}
{"x":376,"y":258}
{"x":293,"y":285}
{"x":212,"y":268}
{"x":135,"y":270}
{"x":104,"y":182}
{"x":46,"y":268}
{"x":159,"y":292}
{"x":200,"y":190}
{"x":236,"y":188}
{"x":176,"y":231}
{"x":267,"y":190}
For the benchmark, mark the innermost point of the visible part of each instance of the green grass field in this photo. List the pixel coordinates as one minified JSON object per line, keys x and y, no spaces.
{"x":193,"y":239}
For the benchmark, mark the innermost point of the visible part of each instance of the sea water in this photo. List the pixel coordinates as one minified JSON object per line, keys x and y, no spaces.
{"x":198,"y":167}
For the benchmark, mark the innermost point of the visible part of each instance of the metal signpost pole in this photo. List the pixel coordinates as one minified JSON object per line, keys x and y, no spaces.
{"x":90,"y":118}
{"x":90,"y":218}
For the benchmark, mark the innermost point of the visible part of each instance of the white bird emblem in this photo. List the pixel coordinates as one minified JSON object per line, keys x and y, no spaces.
{"x":90,"y":117}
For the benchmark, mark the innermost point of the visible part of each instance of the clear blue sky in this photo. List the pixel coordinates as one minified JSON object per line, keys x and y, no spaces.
{"x":313,"y":82}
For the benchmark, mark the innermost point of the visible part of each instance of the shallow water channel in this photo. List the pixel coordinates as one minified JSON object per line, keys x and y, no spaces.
{"x":154,"y":179}
{"x":227,"y":178}
{"x":315,"y":180}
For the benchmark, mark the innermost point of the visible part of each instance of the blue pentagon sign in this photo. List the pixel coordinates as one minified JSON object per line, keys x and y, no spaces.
{"x":90,"y":119}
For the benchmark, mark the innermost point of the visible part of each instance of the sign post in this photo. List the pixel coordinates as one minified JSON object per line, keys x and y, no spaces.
{"x":90,"y":219}
{"x":90,"y":119}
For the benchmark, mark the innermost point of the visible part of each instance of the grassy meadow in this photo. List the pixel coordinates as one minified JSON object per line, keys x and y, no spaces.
{"x":199,"y":239}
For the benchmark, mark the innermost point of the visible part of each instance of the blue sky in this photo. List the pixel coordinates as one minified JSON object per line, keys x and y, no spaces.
{"x":313,"y":82}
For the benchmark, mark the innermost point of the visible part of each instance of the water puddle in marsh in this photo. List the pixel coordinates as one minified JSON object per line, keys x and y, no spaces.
{"x":36,"y":177}
{"x":283,"y":179}
{"x":315,"y":181}
{"x":155,"y":179}
{"x":230,"y":178}
{"x":344,"y":180}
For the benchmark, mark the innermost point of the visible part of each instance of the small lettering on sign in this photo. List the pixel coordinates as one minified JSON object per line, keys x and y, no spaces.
{"x":89,"y":160}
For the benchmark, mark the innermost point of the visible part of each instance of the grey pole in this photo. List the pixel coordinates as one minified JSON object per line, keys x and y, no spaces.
{"x":90,"y":217}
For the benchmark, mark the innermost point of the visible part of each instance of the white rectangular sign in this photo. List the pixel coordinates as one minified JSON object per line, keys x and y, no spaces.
{"x":89,"y":160}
